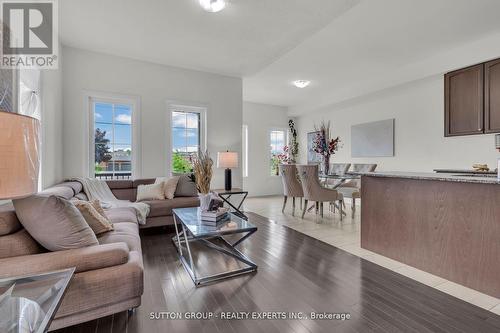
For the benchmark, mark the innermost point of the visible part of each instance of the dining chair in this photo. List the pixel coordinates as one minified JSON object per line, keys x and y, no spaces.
{"x":352,"y":188}
{"x":313,"y":191}
{"x":337,"y":169}
{"x":291,"y":185}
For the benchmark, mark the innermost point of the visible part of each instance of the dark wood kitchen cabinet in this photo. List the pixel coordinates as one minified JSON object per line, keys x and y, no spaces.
{"x":492,"y":96}
{"x":464,"y":101}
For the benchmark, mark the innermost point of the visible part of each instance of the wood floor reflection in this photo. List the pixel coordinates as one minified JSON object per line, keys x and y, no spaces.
{"x":296,"y":273}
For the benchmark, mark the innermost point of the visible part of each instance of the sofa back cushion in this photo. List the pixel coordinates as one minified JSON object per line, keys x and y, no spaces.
{"x":8,"y":220}
{"x":54,"y":222}
{"x":186,"y":187}
{"x":19,"y":243}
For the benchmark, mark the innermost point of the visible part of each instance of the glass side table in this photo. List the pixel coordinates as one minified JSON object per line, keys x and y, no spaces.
{"x":29,"y":303}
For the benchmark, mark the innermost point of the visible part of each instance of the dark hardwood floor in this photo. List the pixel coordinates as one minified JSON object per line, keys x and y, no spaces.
{"x":296,"y":273}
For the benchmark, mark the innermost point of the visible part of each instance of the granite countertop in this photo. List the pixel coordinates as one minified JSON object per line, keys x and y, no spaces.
{"x":449,"y":177}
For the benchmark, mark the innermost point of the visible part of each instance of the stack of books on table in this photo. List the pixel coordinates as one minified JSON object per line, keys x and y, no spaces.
{"x":214,"y":216}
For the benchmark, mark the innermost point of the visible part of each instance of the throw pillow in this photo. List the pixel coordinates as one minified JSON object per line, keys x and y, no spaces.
{"x":54,"y":222}
{"x":97,"y":205}
{"x":169,"y":185}
{"x":186,"y":187}
{"x":150,"y":192}
{"x":95,"y":220}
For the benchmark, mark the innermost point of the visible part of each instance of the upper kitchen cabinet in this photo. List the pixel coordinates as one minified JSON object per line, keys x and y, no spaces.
{"x":464,"y":101}
{"x":492,"y":96}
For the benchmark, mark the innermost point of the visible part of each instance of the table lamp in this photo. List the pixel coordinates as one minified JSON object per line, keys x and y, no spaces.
{"x":227,"y":160}
{"x":19,"y":155}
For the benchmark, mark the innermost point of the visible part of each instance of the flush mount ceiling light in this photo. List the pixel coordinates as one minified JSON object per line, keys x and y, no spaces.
{"x":301,"y":83}
{"x":213,"y":6}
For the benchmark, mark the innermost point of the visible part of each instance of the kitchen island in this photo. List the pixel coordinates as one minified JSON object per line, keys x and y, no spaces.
{"x":444,"y":224}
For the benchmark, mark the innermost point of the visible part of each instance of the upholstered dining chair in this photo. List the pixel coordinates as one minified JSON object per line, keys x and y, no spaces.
{"x":352,"y":188}
{"x":337,"y":169}
{"x":313,"y":191}
{"x":291,"y":185}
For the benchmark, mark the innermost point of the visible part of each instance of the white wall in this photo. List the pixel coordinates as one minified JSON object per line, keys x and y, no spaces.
{"x":52,"y":125}
{"x":420,"y":145}
{"x":154,"y":85}
{"x":260,"y":119}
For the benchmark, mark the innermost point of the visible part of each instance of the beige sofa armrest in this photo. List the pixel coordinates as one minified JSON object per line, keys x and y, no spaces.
{"x":84,"y":259}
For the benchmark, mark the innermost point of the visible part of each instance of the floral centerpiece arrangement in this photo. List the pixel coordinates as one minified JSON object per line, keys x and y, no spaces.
{"x":325,"y":146}
{"x":281,"y":158}
{"x":294,"y":144}
{"x":202,"y":169}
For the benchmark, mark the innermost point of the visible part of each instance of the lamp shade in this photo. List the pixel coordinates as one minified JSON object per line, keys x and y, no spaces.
{"x":19,"y":155}
{"x":227,"y":159}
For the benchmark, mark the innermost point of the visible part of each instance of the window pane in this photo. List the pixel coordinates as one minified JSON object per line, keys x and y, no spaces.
{"x":113,"y":140}
{"x":178,"y":119}
{"x":123,"y":114}
{"x":185,"y":139}
{"x":103,"y":155}
{"x":122,"y":159}
{"x":193,"y":120}
{"x":103,"y":112}
{"x":178,"y":139}
{"x":192,"y":137}
{"x":103,"y":133}
{"x":277,"y":143}
{"x":123,"y":134}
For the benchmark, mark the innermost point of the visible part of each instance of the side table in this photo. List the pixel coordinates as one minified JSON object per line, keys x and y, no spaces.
{"x":226,"y":195}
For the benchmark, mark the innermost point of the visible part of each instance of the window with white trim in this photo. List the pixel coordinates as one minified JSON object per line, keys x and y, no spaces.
{"x":188,"y":130}
{"x":112,"y":139}
{"x":277,"y":139}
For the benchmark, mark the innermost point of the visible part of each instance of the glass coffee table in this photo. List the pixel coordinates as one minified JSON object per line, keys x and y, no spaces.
{"x":29,"y":303}
{"x":211,"y":239}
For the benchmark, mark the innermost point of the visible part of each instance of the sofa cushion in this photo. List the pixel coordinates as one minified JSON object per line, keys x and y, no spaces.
{"x":125,"y":193}
{"x":143,"y":181}
{"x":169,"y":185}
{"x":150,"y":192}
{"x":164,"y":207}
{"x":115,"y":184}
{"x":186,"y":187}
{"x":59,"y":191}
{"x":121,"y":214}
{"x":54,"y":222}
{"x":8,"y":220}
{"x":97,"y":222}
{"x":19,"y":243}
{"x":82,"y":196}
{"x":125,"y":232}
{"x":75,"y":186}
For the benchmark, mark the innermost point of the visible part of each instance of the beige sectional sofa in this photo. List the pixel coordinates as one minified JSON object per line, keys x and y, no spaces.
{"x":108,"y":276}
{"x":161,"y":210}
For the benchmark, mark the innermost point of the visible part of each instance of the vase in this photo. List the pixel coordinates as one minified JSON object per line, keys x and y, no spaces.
{"x":204,"y":201}
{"x":326,"y":164}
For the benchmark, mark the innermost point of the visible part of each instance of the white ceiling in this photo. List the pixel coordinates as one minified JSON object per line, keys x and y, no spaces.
{"x":345,"y":47}
{"x":246,"y":36}
{"x":367,"y":46}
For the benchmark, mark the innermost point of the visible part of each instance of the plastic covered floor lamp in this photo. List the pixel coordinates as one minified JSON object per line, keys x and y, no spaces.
{"x":19,"y":155}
